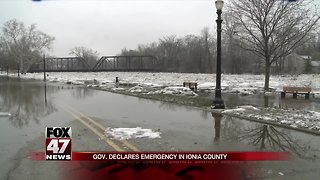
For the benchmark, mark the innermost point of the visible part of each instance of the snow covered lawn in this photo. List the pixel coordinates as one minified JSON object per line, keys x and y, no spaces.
{"x":170,"y":83}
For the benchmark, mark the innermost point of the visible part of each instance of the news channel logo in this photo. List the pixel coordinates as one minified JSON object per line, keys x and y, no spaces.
{"x":58,"y":143}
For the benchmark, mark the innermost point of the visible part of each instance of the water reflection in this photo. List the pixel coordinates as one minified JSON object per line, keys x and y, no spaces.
{"x":25,"y":101}
{"x":263,"y":137}
{"x":82,"y":93}
{"x":169,"y":106}
{"x":217,"y":126}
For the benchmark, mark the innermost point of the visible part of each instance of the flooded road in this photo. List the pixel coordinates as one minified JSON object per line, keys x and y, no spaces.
{"x":36,"y":105}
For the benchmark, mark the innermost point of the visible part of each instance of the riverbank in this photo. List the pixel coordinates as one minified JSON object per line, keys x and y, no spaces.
{"x":171,"y":83}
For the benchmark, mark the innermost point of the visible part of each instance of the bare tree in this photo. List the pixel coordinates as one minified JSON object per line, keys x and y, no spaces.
{"x":170,"y":48}
{"x":191,"y":53}
{"x":273,"y":29}
{"x":22,"y":44}
{"x":89,"y":55}
{"x":208,"y":55}
{"x":232,"y":59}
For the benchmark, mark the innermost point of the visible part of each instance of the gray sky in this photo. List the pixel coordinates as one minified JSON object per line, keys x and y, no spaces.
{"x":108,"y":26}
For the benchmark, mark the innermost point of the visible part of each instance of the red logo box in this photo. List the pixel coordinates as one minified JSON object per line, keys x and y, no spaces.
{"x":58,"y":143}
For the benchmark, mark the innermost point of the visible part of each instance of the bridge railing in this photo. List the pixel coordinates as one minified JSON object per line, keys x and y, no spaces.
{"x":105,"y":63}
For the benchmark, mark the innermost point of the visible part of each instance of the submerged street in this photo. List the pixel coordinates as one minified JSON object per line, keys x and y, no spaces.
{"x":94,"y":116}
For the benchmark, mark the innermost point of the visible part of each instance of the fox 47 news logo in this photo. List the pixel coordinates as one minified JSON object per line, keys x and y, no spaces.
{"x":58,"y":143}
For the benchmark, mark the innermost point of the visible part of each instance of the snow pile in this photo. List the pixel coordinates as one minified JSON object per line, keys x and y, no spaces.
{"x":137,"y":89}
{"x":131,"y":133}
{"x":5,"y":114}
{"x":178,"y":90}
{"x":207,"y":86}
{"x":118,"y":89}
{"x":249,"y":107}
{"x":240,"y":109}
{"x":144,"y":88}
{"x":233,"y":110}
{"x":294,"y":118}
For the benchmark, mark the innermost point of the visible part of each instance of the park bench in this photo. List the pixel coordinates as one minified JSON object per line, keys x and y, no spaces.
{"x":295,"y":91}
{"x":192,"y":85}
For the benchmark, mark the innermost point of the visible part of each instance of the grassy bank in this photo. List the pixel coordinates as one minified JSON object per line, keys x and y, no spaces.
{"x":197,"y":101}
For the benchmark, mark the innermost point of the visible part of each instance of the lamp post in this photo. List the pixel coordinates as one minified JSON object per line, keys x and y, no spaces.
{"x":218,"y":102}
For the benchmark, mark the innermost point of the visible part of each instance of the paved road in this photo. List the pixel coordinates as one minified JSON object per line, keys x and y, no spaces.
{"x":36,"y":105}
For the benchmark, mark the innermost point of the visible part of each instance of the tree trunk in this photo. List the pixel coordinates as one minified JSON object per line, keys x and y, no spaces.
{"x":21,"y":66}
{"x":267,"y":76}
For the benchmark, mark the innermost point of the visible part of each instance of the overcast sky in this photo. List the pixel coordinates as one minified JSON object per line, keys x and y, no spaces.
{"x":108,"y":26}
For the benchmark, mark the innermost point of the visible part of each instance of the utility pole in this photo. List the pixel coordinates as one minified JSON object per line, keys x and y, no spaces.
{"x":44,"y":68}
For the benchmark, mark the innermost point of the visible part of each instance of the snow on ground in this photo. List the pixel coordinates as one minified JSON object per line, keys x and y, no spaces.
{"x":4,"y":114}
{"x":233,"y":110}
{"x":294,"y":118}
{"x":167,"y":82}
{"x":131,"y":133}
{"x":178,"y":90}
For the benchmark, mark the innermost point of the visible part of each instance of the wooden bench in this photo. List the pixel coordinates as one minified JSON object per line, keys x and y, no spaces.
{"x":295,"y":91}
{"x":192,"y":85}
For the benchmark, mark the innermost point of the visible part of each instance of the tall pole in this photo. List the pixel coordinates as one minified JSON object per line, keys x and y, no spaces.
{"x":218,"y":102}
{"x":7,"y":70}
{"x":45,"y":95}
{"x":44,"y":68}
{"x":18,"y":70}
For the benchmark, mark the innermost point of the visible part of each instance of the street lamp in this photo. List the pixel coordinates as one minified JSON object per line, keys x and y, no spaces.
{"x":218,"y":102}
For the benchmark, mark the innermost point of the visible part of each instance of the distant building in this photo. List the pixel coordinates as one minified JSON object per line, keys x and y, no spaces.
{"x":305,"y":57}
{"x":315,"y":66}
{"x":294,"y":64}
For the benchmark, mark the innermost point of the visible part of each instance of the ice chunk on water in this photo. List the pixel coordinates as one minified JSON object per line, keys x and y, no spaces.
{"x":4,"y":114}
{"x":131,"y":133}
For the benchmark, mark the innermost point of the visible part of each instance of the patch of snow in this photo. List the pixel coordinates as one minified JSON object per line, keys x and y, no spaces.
{"x":131,"y":133}
{"x":250,"y":107}
{"x":5,"y":114}
{"x":118,"y":89}
{"x":178,"y":90}
{"x":316,"y":114}
{"x":206,"y":86}
{"x":137,"y":89}
{"x":266,"y":118}
{"x":286,"y":122}
{"x":233,"y":110}
{"x":294,"y":118}
{"x":153,"y":85}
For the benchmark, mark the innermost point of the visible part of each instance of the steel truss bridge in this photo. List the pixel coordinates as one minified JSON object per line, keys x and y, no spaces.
{"x":105,"y":63}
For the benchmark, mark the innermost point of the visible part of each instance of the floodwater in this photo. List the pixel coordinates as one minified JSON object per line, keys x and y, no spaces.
{"x":35,"y":105}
